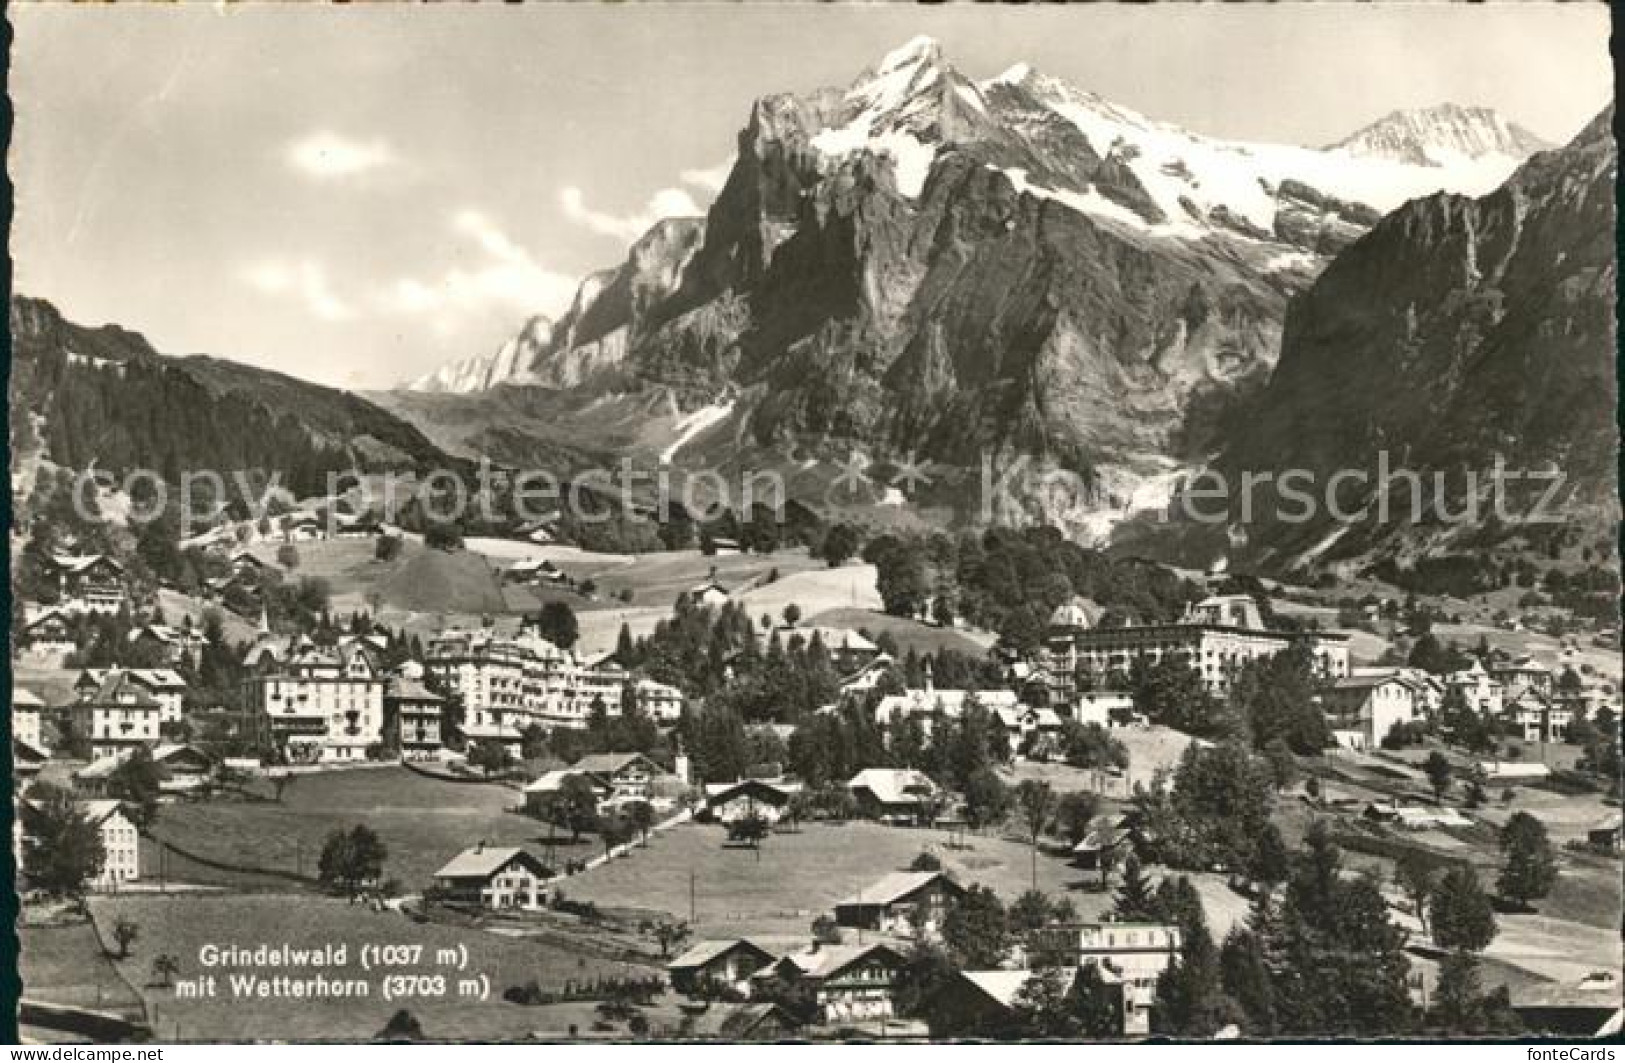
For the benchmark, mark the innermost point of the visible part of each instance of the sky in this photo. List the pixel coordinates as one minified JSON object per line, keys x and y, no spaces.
{"x":357,"y":195}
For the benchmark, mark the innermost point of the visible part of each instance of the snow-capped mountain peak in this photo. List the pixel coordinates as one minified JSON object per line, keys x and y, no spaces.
{"x":1439,"y":135}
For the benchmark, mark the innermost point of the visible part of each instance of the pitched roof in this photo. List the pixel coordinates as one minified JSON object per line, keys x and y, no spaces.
{"x":896,"y":886}
{"x":890,"y":785}
{"x":608,"y":763}
{"x":831,"y":960}
{"x":402,"y":689}
{"x":485,"y":861}
{"x":706,"y":951}
{"x":23,"y":698}
{"x":122,"y":689}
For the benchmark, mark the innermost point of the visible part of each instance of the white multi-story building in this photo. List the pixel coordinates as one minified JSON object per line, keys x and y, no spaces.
{"x":508,"y":683}
{"x":1216,"y":637}
{"x":117,"y":715}
{"x":1135,"y":953}
{"x":166,"y":686}
{"x":322,"y":705}
{"x":1361,"y":709}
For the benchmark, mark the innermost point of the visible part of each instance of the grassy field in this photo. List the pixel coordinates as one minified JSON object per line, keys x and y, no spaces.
{"x":424,"y":822}
{"x":181,"y":925}
{"x":910,"y":634}
{"x":797,"y":876}
{"x":65,"y":964}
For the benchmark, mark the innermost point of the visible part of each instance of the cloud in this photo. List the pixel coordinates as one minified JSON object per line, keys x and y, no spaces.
{"x":326,"y":156}
{"x":301,"y":279}
{"x":666,"y":203}
{"x":504,"y":276}
{"x":709,"y":179}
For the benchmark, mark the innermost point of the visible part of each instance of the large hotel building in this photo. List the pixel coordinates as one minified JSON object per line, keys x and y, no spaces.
{"x":1215,"y":636}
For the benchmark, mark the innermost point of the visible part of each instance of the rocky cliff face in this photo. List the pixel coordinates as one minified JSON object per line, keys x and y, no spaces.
{"x":1457,"y":332}
{"x":926,"y":264}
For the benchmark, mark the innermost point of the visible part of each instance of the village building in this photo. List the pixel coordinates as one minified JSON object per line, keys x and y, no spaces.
{"x":710,"y":594}
{"x":121,"y":842}
{"x":167,"y":644}
{"x":165,"y":685}
{"x":413,"y":714}
{"x":27,"y":717}
{"x":320,"y":705}
{"x":1105,"y":708}
{"x":1135,"y":953}
{"x":1605,"y":834}
{"x":1361,"y":709}
{"x":540,"y":792}
{"x":906,"y":903}
{"x":183,"y":769}
{"x":868,"y":677}
{"x":1524,"y":674}
{"x":1215,"y":637}
{"x":47,"y":633}
{"x":1102,"y":848}
{"x":1539,"y":718}
{"x":660,"y":702}
{"x":730,"y":802}
{"x":852,"y":983}
{"x":897,"y":795}
{"x":1023,"y":722}
{"x":711,"y":966}
{"x":985,"y":1002}
{"x":763,"y":1021}
{"x":1477,"y":688}
{"x":90,"y":583}
{"x":494,"y":878}
{"x":848,"y":650}
{"x":628,"y":776}
{"x":925,"y":703}
{"x":117,"y":715}
{"x":508,"y":683}
{"x":27,"y":761}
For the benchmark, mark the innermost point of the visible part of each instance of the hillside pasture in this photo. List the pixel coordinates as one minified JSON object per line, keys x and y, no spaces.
{"x":181,"y":925}
{"x":424,"y":822}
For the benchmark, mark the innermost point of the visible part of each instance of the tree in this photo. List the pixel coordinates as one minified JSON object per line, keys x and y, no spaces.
{"x":826,"y":931}
{"x":614,"y":832}
{"x":1040,"y":1008}
{"x":1271,"y":861}
{"x":490,"y":756}
{"x":1030,"y":911}
{"x":1037,"y":803}
{"x":575,"y":806}
{"x":1096,"y":1006}
{"x":1438,"y":770}
{"x":556,"y":622}
{"x":641,"y":816}
{"x":64,"y":851}
{"x":443,"y":536}
{"x":751,"y":828}
{"x":164,"y":968}
{"x":1282,"y":764}
{"x":792,"y":614}
{"x":976,"y":930}
{"x":125,"y":934}
{"x":287,"y":555}
{"x":1414,"y":875}
{"x":1075,"y":814}
{"x":1531,"y":864}
{"x":1461,"y":914}
{"x":671,"y":934}
{"x":402,"y":1026}
{"x":1135,"y":902}
{"x":986,"y":798}
{"x":840,"y":543}
{"x":352,"y":860}
{"x":1244,"y":968}
{"x":136,"y":782}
